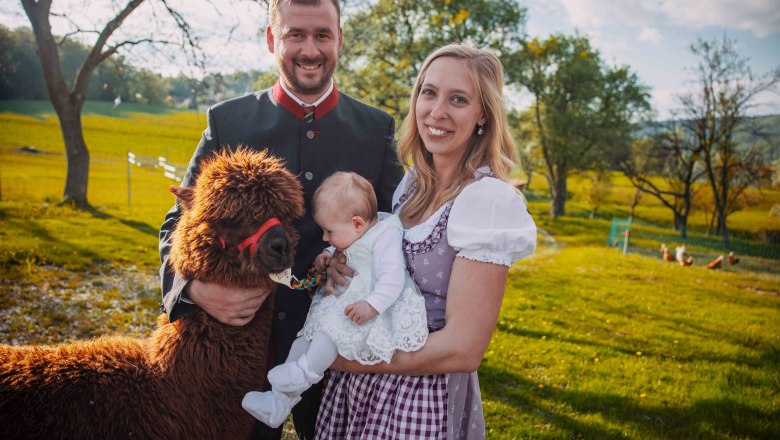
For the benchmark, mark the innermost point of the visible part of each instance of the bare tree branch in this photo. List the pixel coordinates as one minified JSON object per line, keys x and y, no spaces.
{"x":94,"y":56}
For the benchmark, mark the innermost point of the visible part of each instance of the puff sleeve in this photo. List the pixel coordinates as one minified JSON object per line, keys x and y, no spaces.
{"x":489,"y":222}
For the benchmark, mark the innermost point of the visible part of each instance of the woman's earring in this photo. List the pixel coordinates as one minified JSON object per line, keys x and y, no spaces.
{"x":480,"y":130}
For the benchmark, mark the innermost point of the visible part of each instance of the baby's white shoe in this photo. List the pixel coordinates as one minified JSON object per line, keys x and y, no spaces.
{"x":270,"y":407}
{"x":293,"y":378}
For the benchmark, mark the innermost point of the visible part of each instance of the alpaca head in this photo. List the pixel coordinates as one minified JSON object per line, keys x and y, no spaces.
{"x":236,"y":221}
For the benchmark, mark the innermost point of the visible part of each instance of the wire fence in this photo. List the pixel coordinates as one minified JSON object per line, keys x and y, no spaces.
{"x":630,"y":235}
{"x":171,"y":171}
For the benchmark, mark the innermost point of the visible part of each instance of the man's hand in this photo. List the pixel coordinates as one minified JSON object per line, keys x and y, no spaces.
{"x":231,"y":306}
{"x":360,"y":312}
{"x":337,"y":270}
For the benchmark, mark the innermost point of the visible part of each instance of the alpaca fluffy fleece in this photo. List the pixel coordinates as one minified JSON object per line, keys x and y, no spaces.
{"x":187,"y":380}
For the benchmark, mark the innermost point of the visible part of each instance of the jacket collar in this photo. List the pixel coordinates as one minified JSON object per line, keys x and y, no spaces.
{"x":328,"y":104}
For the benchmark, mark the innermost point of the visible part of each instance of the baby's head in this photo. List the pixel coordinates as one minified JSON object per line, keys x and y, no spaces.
{"x":345,"y":208}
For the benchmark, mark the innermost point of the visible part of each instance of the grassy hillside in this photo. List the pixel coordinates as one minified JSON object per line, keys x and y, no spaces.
{"x":590,"y":343}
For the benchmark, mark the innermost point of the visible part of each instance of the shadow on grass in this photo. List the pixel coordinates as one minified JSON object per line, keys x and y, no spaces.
{"x":693,"y":326}
{"x":138,"y":226}
{"x":708,"y":418}
{"x":64,"y":247}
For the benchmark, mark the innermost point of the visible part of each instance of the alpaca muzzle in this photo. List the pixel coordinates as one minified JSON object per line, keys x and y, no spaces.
{"x":253,"y":239}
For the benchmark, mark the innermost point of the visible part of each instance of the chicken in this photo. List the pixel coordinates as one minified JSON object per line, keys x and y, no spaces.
{"x":716,"y":263}
{"x":682,"y":257}
{"x":732,"y":259}
{"x":667,"y":253}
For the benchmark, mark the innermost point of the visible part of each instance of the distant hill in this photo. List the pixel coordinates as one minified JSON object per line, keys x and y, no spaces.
{"x":767,"y":133}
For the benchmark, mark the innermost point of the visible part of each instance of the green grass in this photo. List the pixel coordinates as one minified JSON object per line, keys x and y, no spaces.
{"x":590,"y":343}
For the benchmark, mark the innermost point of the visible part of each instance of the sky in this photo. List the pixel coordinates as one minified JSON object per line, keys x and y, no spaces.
{"x":651,"y":36}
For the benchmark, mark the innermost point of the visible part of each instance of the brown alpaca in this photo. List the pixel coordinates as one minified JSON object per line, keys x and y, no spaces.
{"x":187,"y":380}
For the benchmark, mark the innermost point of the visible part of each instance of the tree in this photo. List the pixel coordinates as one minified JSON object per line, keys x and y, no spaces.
{"x":583,"y":112}
{"x":714,"y":112}
{"x":20,"y":71}
{"x":526,"y":142}
{"x":389,"y":40}
{"x":674,"y":157}
{"x":69,"y":100}
{"x":599,"y":187}
{"x":776,"y":173}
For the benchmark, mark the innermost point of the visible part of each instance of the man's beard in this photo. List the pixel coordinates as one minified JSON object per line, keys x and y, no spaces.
{"x":300,"y":86}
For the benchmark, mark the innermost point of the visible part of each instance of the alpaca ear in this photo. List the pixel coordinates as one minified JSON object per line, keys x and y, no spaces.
{"x":183,"y":195}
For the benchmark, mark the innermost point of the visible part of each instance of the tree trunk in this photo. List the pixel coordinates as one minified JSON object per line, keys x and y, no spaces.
{"x":634,"y":203}
{"x":723,"y":228}
{"x":681,"y":224}
{"x":68,"y":107}
{"x":77,"y":154}
{"x":558,"y":195}
{"x":68,"y":103}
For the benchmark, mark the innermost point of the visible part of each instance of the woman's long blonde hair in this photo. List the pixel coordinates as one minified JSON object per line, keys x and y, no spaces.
{"x":494,"y":148}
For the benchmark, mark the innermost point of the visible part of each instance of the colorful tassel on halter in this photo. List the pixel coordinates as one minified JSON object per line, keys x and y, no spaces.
{"x":313,"y":279}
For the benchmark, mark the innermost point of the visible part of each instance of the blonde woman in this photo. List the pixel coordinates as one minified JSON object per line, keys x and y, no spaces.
{"x":464,"y":226}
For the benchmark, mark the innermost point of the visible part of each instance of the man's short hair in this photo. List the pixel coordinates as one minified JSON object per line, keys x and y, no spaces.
{"x":273,"y":9}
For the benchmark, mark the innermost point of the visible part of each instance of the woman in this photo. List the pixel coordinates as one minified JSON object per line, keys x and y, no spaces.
{"x":464,"y":226}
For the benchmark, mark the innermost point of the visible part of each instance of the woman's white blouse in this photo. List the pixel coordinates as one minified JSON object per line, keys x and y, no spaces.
{"x":489,"y":222}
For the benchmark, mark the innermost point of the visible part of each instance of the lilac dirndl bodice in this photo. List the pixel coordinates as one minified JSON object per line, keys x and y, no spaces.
{"x":430,"y":263}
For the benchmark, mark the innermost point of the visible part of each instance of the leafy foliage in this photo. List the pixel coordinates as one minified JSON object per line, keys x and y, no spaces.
{"x":583,"y":113}
{"x":388,"y":41}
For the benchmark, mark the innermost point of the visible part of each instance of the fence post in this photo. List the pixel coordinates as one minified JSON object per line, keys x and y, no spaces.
{"x":130,"y":161}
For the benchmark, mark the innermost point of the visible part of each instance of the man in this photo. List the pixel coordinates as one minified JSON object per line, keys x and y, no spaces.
{"x":317,"y":130}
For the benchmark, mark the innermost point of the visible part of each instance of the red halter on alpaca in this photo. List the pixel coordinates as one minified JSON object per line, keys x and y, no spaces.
{"x":254,"y":238}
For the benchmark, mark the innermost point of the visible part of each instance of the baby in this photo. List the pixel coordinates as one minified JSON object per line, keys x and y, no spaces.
{"x":380,"y":311}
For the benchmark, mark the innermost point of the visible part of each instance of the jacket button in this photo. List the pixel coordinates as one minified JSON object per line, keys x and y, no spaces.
{"x":281,"y":316}
{"x":309,"y":175}
{"x":310,"y":134}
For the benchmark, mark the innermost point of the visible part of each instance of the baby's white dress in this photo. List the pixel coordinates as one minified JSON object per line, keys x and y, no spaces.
{"x":402,"y":326}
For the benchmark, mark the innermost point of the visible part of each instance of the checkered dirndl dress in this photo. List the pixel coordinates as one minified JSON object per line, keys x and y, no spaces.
{"x":387,"y":406}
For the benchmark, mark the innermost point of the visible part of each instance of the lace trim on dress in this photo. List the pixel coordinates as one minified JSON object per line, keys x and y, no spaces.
{"x":430,"y":241}
{"x":493,"y":256}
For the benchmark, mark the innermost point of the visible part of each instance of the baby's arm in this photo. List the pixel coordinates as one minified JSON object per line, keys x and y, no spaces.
{"x":389,"y":274}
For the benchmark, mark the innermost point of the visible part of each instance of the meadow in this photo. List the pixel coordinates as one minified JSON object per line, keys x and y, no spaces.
{"x":590,"y":343}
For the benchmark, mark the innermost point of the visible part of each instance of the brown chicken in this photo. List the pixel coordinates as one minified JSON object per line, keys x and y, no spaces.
{"x":716,"y":263}
{"x":666,"y":253}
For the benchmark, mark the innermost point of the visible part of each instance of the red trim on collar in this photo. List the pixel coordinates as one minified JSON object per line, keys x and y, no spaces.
{"x":328,"y":104}
{"x":293,"y":107}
